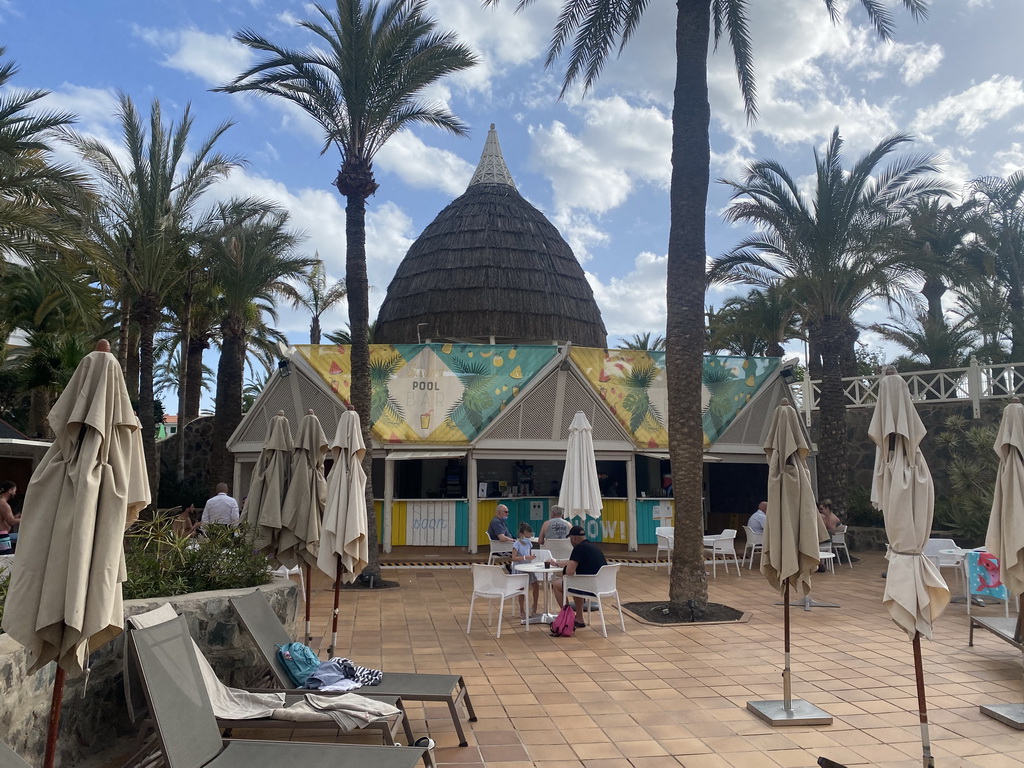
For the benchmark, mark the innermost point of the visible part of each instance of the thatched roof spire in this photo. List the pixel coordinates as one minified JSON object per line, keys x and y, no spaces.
{"x":492,"y":169}
{"x":490,"y":266}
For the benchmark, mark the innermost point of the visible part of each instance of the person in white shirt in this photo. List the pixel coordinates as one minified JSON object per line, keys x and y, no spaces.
{"x":221,"y":509}
{"x":757,"y":519}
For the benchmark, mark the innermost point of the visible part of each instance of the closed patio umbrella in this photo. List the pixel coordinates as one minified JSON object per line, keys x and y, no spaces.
{"x":792,"y":531}
{"x":65,"y":598}
{"x":901,"y":487}
{"x":1005,"y":537}
{"x":344,"y":549}
{"x":264,"y":504}
{"x":580,"y":494}
{"x":299,"y":540}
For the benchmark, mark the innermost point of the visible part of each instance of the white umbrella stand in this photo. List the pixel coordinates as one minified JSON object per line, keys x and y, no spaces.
{"x":65,"y":596}
{"x":901,"y":487}
{"x":790,"y":550}
{"x":1005,"y":537}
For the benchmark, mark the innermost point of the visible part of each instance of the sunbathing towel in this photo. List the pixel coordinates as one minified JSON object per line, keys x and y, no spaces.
{"x":349,"y":712}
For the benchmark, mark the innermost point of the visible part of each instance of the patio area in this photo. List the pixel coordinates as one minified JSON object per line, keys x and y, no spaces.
{"x":676,"y":695}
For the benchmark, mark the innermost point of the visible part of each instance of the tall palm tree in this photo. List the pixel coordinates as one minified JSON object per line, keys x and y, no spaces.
{"x":832,"y":254}
{"x":589,"y":31}
{"x":645,"y":341}
{"x":145,"y":223}
{"x":362,"y":87}
{"x":931,"y":344}
{"x":251,"y":260}
{"x":318,"y":296}
{"x":40,"y":201}
{"x":758,"y":323}
{"x":1002,"y":202}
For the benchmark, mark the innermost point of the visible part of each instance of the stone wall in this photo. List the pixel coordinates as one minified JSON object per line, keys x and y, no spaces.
{"x":93,"y":723}
{"x":198,"y":449}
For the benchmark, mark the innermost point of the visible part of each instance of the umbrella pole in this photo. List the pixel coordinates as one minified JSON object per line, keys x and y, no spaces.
{"x":309,"y":591}
{"x":926,"y":748}
{"x":51,"y":734}
{"x":787,"y":681}
{"x":337,"y":595}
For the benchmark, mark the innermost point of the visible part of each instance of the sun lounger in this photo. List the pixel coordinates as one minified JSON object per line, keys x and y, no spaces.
{"x":266,"y":629}
{"x":187,"y":729}
{"x":1000,"y":626}
{"x":239,"y":708}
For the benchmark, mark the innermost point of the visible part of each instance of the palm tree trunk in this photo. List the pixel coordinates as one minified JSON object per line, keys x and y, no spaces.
{"x":193,"y":380}
{"x":227,"y":417}
{"x":186,"y":331}
{"x":133,"y":369}
{"x":933,"y":291}
{"x":314,"y":330}
{"x":832,"y":437}
{"x":359,"y":321}
{"x":148,"y":315}
{"x":691,"y":160}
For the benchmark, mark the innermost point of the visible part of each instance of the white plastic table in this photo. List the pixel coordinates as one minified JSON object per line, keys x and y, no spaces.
{"x":546,"y":617}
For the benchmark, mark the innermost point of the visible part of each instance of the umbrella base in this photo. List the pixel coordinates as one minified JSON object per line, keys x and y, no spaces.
{"x":808,"y":602}
{"x":1008,"y":714}
{"x":802,"y":713}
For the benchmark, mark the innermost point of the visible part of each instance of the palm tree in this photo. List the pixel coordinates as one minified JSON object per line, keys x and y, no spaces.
{"x":319,"y":296}
{"x":251,"y":260}
{"x":931,"y":344}
{"x":831,"y":254}
{"x":758,"y":323}
{"x":1002,"y":203}
{"x":40,"y":201}
{"x":590,"y":31}
{"x":645,"y":341}
{"x":145,"y":223}
{"x":362,"y":87}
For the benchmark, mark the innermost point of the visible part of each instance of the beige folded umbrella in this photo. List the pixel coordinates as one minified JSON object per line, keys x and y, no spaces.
{"x":901,"y":487}
{"x":65,"y":598}
{"x":1005,"y":537}
{"x":263,"y":505}
{"x":580,"y":492}
{"x":299,"y":540}
{"x":792,"y":532}
{"x":344,"y":551}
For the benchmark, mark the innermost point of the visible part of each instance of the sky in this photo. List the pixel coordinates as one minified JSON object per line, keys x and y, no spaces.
{"x":596,"y":163}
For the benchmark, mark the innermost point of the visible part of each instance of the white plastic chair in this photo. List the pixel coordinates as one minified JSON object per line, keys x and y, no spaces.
{"x":933,"y":550}
{"x":754,"y":545}
{"x":665,"y":535}
{"x":601,"y":584}
{"x":839,"y":546}
{"x":284,"y":572}
{"x":492,"y":583}
{"x":560,"y":548}
{"x":499,"y":549}
{"x":724,"y":545}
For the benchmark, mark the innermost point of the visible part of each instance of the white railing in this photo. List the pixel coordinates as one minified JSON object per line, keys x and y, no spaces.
{"x":976,"y":382}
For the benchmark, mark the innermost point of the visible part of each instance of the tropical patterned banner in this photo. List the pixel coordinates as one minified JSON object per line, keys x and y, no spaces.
{"x":433,"y":393}
{"x":633,"y":385}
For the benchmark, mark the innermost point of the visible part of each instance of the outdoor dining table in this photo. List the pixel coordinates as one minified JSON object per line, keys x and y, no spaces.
{"x":547,"y":617}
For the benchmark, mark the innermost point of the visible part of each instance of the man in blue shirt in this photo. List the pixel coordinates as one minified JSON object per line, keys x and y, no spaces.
{"x":498,"y":529}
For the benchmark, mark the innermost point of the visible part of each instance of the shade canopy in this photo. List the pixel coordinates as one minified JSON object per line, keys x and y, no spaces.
{"x":580,"y":494}
{"x":263,"y":506}
{"x":1005,"y":537}
{"x":65,"y":596}
{"x":306,"y":498}
{"x":793,"y":529}
{"x":344,"y":532}
{"x":901,"y":487}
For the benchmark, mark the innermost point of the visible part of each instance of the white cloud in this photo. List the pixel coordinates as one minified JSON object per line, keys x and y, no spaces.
{"x":974,"y":108}
{"x":424,"y":167}
{"x":214,"y":59}
{"x":634,"y":303}
{"x":1008,"y":161}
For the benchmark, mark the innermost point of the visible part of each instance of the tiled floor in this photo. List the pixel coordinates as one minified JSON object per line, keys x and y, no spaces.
{"x":670,"y":696}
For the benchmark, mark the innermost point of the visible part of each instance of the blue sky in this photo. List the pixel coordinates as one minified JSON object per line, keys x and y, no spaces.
{"x":597,"y":165}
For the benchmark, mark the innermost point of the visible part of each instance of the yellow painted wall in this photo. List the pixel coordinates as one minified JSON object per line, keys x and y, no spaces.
{"x":484,"y":514}
{"x":398,"y":520}
{"x":614,"y":519}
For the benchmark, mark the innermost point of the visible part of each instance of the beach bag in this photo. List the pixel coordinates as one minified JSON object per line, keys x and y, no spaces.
{"x":564,"y":624}
{"x":299,"y":662}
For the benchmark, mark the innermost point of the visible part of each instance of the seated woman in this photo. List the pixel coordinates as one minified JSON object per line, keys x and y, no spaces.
{"x":522,"y":552}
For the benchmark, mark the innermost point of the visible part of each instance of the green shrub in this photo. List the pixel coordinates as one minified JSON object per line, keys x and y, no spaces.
{"x":860,"y":512}
{"x":970,"y":467}
{"x":163,"y":564}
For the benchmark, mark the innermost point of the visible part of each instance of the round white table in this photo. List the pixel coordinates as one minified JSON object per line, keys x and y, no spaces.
{"x":547,"y":617}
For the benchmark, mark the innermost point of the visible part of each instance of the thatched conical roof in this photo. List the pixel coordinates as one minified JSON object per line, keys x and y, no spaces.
{"x":490,"y":265}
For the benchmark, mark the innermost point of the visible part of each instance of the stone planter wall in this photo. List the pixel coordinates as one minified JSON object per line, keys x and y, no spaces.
{"x":93,"y":723}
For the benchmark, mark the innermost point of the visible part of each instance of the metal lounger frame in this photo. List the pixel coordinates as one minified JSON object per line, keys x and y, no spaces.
{"x":262,"y":623}
{"x":188,"y":731}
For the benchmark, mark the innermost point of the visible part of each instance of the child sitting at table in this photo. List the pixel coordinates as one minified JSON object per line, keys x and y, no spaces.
{"x":522,"y":553}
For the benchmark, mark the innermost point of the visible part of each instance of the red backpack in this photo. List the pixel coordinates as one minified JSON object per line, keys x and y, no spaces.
{"x":564,"y":624}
